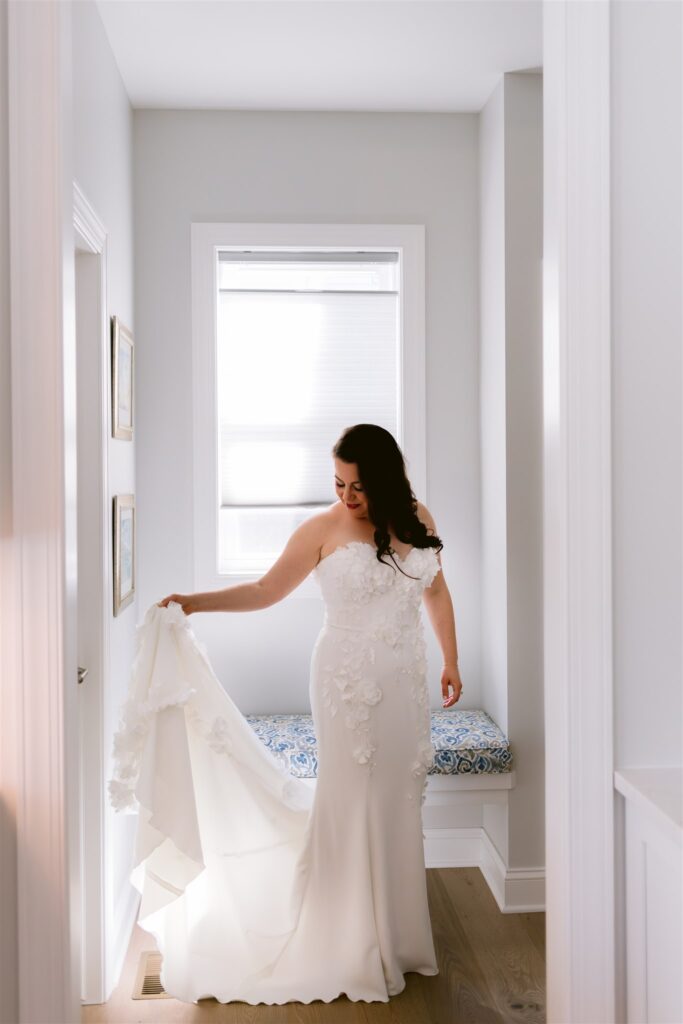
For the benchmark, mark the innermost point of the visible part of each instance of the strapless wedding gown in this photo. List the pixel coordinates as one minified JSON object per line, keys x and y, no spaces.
{"x":256,"y":887}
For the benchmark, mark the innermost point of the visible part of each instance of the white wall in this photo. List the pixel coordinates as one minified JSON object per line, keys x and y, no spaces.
{"x":303,"y":167}
{"x":646,"y":381}
{"x":8,"y":853}
{"x":103,"y":169}
{"x":511,"y":155}
{"x":647,"y":513}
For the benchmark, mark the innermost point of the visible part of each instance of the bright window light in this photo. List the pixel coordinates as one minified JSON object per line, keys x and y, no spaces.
{"x":307,"y":344}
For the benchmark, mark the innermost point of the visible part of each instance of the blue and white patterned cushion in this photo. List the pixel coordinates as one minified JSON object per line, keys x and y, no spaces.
{"x":468,"y":743}
{"x":465,"y":742}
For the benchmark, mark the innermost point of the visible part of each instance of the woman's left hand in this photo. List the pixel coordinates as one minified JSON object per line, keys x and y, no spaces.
{"x":450,"y":677}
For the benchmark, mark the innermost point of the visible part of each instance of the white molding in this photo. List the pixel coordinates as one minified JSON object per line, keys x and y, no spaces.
{"x":439,"y":783}
{"x":44,"y":491}
{"x":577,"y":514}
{"x":87,"y":223}
{"x":657,"y":793}
{"x":205,"y":237}
{"x":469,"y":790}
{"x":92,"y":235}
{"x":620,"y":982}
{"x":653,"y":895}
{"x":515,"y":890}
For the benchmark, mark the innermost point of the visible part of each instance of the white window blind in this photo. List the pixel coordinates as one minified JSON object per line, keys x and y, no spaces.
{"x":308,"y":344}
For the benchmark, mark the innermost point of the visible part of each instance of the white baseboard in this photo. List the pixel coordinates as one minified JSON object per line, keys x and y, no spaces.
{"x":515,"y":890}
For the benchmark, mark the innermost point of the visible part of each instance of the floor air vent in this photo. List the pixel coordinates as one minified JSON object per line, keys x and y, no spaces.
{"x":148,"y":983}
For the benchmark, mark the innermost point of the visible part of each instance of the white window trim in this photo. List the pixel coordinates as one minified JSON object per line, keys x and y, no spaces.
{"x":409,"y":240}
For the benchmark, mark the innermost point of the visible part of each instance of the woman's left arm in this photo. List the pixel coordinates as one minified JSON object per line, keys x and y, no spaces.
{"x":437,"y":599}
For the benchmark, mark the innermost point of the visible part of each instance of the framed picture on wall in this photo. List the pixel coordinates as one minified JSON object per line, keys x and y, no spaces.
{"x":122,"y":375}
{"x":124,"y":551}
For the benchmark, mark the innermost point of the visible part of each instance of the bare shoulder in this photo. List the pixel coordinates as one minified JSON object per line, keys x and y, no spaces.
{"x":438,"y":584}
{"x":426,"y":517}
{"x":316,"y":524}
{"x":315,"y":528}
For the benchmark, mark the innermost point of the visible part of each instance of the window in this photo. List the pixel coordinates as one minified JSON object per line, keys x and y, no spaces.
{"x":307,"y":344}
{"x":293,"y":342}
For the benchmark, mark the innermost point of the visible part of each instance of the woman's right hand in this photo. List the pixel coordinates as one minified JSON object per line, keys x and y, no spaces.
{"x":186,"y":601}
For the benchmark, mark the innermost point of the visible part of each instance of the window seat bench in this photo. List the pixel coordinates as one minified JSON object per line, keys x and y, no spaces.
{"x":471,"y":751}
{"x":465,"y":810}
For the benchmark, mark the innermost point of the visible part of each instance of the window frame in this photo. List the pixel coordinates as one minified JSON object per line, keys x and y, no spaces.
{"x":206,"y":238}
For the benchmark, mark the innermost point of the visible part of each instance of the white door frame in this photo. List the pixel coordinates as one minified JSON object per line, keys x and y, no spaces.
{"x":577,"y":515}
{"x":94,"y":385}
{"x":43,"y":381}
{"x":578,"y":691}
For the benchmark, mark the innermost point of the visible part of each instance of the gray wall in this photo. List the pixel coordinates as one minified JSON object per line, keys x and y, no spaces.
{"x":524,"y":456}
{"x":303,"y":167}
{"x":646,"y":381}
{"x":512,"y":450}
{"x":493,"y":409}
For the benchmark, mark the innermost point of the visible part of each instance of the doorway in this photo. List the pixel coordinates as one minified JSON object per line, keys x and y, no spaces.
{"x":37,"y":37}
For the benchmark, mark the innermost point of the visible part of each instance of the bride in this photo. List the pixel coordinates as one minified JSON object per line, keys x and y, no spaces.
{"x":255,"y":887}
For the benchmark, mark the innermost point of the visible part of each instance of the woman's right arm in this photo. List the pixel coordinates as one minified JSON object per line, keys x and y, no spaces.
{"x":298,"y":559}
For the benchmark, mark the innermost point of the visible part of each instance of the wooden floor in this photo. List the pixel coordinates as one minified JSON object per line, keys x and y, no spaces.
{"x":492,"y":971}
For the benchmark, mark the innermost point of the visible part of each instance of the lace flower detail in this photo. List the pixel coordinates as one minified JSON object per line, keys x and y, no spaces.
{"x":363,"y":750}
{"x":370,"y":693}
{"x":128,"y":746}
{"x":370,"y":603}
{"x":218,"y":737}
{"x":138,"y":710}
{"x":357,"y":694}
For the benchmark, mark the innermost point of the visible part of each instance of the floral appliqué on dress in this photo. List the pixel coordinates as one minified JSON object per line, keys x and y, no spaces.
{"x":369,"y":603}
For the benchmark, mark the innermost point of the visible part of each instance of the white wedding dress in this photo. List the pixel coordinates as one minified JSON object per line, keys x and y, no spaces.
{"x":256,"y":887}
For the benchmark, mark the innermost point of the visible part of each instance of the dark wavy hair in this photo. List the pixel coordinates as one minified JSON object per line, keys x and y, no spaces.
{"x":391,"y":501}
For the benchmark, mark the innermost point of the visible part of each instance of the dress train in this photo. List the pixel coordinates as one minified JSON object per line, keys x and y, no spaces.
{"x":256,"y":887}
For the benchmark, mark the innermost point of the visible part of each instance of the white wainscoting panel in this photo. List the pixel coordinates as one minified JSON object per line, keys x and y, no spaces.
{"x":653,"y":893}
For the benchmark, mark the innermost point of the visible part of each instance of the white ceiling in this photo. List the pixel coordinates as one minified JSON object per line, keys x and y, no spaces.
{"x":360,"y":55}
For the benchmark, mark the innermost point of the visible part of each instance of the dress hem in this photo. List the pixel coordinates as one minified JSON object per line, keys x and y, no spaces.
{"x":427,"y":972}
